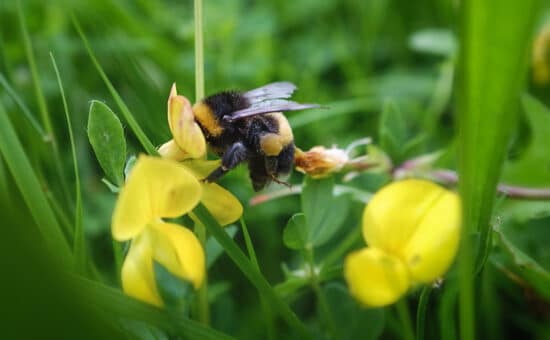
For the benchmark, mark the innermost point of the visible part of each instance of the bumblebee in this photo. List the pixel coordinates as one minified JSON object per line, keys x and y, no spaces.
{"x":250,"y":127}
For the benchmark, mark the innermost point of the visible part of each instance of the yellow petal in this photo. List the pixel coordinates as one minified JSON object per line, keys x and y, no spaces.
{"x":171,"y":150}
{"x":186,"y":132}
{"x":202,"y":168}
{"x":138,"y":278}
{"x":179,"y":251}
{"x":374,"y":277}
{"x":417,"y":221}
{"x":225,"y":207}
{"x":432,"y":248}
{"x":154,"y":189}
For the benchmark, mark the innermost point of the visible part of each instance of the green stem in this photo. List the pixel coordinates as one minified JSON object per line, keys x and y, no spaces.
{"x":199,"y":52}
{"x":250,"y":271}
{"x":204,"y":313}
{"x":203,"y":310}
{"x":323,"y":304}
{"x":405,"y":317}
{"x":466,"y":284}
{"x":268,"y":314}
{"x":421,"y":312}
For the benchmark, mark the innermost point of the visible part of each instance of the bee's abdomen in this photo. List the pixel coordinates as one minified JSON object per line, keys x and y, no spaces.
{"x":272,"y":133}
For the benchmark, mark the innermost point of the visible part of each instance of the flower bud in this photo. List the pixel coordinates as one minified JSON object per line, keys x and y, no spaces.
{"x":320,"y":162}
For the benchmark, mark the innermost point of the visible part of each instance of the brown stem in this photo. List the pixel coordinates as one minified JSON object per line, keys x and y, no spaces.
{"x":512,"y":191}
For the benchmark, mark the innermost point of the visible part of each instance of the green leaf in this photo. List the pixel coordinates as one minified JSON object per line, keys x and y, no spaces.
{"x":114,"y":301}
{"x":522,"y":211}
{"x":174,"y":291}
{"x":525,"y":266}
{"x":392,"y":131}
{"x":107,"y":139}
{"x":353,"y":321}
{"x":142,"y":331}
{"x":295,"y":235}
{"x":324,"y":212}
{"x":493,"y":60}
{"x":533,"y":166}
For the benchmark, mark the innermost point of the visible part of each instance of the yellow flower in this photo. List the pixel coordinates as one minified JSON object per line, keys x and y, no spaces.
{"x":188,"y":145}
{"x":223,"y":206}
{"x":412,"y":228}
{"x":188,"y":140}
{"x":156,"y":189}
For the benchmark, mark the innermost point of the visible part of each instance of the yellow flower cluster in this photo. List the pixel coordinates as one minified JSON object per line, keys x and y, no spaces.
{"x":160,"y":188}
{"x":412,"y":229}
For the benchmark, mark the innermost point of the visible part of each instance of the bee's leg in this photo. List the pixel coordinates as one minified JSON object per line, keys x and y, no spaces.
{"x":272,"y":169}
{"x":278,"y":181}
{"x":271,"y":163}
{"x":233,"y":156}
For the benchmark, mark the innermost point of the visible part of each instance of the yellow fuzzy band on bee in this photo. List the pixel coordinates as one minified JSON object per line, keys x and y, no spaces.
{"x":205,"y":117}
{"x":273,"y":143}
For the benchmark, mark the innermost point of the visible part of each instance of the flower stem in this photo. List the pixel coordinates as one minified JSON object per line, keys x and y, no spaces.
{"x":248,"y":269}
{"x":450,"y":177}
{"x":199,"y":52}
{"x":323,"y":304}
{"x":203,"y":311}
{"x":268,"y":314}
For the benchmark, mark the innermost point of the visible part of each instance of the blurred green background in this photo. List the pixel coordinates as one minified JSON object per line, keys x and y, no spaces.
{"x":351,"y":56}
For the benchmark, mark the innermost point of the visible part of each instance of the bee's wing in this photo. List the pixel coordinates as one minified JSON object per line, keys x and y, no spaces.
{"x":267,"y":106}
{"x":278,"y":90}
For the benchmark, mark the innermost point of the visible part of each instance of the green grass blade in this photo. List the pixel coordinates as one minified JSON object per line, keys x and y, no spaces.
{"x":41,"y":99}
{"x":26,"y":112}
{"x":495,"y":38}
{"x":250,"y":271}
{"x":31,"y":190}
{"x":175,"y":322}
{"x":79,"y":242}
{"x":42,"y":105}
{"x":138,"y":131}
